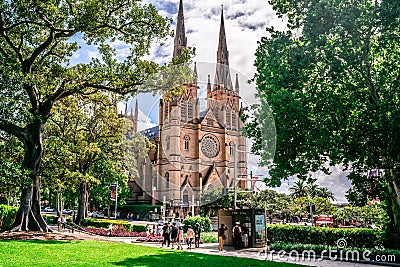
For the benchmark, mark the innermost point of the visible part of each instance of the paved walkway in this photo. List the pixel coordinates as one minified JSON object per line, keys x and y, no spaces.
{"x":253,"y":253}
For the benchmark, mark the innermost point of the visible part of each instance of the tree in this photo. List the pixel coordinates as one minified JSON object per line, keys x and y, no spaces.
{"x":85,"y":147}
{"x":324,"y":192}
{"x":301,"y":207}
{"x":35,"y":48}
{"x":275,"y":204}
{"x":299,"y":189}
{"x":11,"y":174}
{"x":332,"y":83}
{"x":213,"y":199}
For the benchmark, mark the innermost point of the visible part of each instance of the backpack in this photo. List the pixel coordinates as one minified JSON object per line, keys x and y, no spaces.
{"x":236,"y":231}
{"x":174,"y":231}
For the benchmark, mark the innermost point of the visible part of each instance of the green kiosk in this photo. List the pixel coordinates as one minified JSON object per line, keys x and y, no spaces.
{"x":254,"y":219}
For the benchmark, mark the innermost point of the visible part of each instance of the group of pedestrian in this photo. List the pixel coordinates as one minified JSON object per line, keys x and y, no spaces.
{"x":173,"y":235}
{"x":240,"y":236}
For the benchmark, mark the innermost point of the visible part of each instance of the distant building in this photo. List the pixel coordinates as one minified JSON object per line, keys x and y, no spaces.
{"x":194,"y":148}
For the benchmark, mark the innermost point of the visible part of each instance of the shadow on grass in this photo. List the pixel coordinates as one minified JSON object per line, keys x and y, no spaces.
{"x":51,"y":242}
{"x":177,"y":259}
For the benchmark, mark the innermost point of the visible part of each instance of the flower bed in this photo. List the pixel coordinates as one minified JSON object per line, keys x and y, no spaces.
{"x":118,"y":233}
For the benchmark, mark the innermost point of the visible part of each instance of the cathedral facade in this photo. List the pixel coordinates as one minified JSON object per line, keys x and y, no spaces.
{"x":195,"y":150}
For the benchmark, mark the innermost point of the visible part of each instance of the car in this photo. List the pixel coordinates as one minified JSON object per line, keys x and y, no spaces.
{"x":97,"y":214}
{"x":49,"y":209}
{"x":67,"y":212}
{"x":90,"y":214}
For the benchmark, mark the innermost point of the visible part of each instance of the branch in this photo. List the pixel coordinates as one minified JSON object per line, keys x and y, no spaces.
{"x":112,"y":89}
{"x":23,"y":22}
{"x":13,"y":129}
{"x":27,"y":64}
{"x":10,"y":43}
{"x":117,"y":8}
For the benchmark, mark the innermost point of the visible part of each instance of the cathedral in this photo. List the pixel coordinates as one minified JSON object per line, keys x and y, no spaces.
{"x":195,"y":150}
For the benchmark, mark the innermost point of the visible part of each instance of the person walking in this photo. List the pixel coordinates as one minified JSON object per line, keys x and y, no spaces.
{"x":110,"y":229}
{"x":245,"y":236}
{"x":158,"y":232}
{"x":197,"y":231}
{"x":174,"y":235}
{"x":237,"y":235}
{"x":221,"y":236}
{"x":166,"y":235}
{"x":180,"y":237}
{"x":189,"y":237}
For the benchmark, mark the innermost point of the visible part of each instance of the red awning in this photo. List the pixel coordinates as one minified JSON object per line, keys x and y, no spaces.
{"x":323,"y":219}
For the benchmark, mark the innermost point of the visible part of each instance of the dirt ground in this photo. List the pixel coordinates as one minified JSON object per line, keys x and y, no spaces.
{"x":48,"y":236}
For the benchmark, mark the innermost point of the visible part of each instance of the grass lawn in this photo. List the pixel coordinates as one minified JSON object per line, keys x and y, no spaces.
{"x":97,"y":253}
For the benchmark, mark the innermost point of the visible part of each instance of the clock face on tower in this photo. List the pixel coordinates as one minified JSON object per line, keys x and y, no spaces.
{"x":210,"y":146}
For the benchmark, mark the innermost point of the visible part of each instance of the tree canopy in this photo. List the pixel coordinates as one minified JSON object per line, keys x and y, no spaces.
{"x":332,"y":83}
{"x":36,"y":46}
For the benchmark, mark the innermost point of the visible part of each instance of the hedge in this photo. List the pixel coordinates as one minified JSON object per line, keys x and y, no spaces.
{"x":361,"y":238}
{"x":104,"y":223}
{"x":7,"y":216}
{"x":205,"y":223}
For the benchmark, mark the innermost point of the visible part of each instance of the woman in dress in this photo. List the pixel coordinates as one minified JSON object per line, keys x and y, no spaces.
{"x":180,"y":237}
{"x":189,"y":236}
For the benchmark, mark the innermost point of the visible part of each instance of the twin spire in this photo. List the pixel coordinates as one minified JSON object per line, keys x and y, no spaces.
{"x":222,"y":78}
{"x":180,"y":41}
{"x":222,"y":74}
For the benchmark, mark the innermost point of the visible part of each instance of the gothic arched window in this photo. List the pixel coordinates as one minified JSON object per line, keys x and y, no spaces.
{"x":190,"y":110}
{"x":185,"y":196}
{"x":230,"y":148}
{"x":167,"y":180}
{"x":168,"y":142}
{"x":186,"y":142}
{"x":233,"y":120}
{"x":183,"y":111}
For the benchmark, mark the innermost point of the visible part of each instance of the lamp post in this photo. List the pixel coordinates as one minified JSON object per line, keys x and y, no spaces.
{"x":234,"y":177}
{"x":116,"y":200}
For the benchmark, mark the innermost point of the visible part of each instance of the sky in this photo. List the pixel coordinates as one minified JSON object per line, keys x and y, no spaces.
{"x":245,"y":24}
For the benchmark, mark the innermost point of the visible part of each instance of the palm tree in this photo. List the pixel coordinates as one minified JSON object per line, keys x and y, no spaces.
{"x":325,"y":193}
{"x":299,"y":189}
{"x":312,"y":189}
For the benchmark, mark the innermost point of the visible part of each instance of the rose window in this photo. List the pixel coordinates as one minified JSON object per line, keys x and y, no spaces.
{"x":209,"y":146}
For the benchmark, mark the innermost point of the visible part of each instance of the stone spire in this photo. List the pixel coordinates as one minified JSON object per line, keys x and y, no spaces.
{"x":136,"y":116}
{"x":222,"y":75}
{"x":209,"y":85}
{"x":237,"y":84}
{"x":195,"y":73}
{"x":180,"y":40}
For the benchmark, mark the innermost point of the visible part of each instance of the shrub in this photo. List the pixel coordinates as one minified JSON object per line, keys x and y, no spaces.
{"x":104,"y":223}
{"x":209,"y":237}
{"x":362,"y":238}
{"x":7,"y":216}
{"x":205,"y":223}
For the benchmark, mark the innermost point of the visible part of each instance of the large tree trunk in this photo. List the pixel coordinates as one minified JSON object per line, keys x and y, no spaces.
{"x":28,"y":216}
{"x":393,"y":231}
{"x":82,"y":202}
